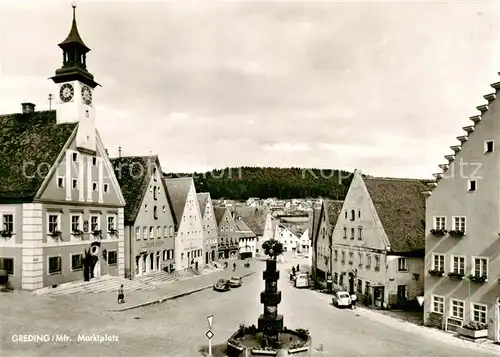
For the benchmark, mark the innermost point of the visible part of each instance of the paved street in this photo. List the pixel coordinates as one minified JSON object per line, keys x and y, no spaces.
{"x":177,"y":328}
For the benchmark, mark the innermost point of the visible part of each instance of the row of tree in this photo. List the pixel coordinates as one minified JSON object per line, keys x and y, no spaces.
{"x":240,"y":183}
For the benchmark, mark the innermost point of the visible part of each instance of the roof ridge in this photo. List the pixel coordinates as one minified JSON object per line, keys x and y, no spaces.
{"x":396,"y":179}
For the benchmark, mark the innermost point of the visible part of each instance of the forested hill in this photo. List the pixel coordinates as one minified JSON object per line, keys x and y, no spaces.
{"x":240,"y":183}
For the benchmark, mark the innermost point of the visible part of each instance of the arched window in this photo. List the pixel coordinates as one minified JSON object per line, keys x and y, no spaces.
{"x":353,"y":215}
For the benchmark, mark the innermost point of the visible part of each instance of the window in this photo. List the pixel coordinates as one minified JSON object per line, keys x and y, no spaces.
{"x":377,"y":262}
{"x":137,"y":233}
{"x":151,"y":232}
{"x":437,"y":304}
{"x":8,"y":222}
{"x":471,"y":185}
{"x":76,"y":262}
{"x":359,"y":286}
{"x":438,"y":262}
{"x":352,"y":233}
{"x":75,"y":222}
{"x":344,"y":214}
{"x":459,"y":224}
{"x":480,"y":267}
{"x":368,"y":260}
{"x":457,"y":309}
{"x":402,"y":264}
{"x":158,"y":232}
{"x":154,"y":174}
{"x":335,"y":254}
{"x":7,"y":264}
{"x":145,"y":208}
{"x":60,"y":182}
{"x":343,"y":257}
{"x":165,"y":232}
{"x":439,"y":222}
{"x":94,"y":223}
{"x":75,"y":157}
{"x":351,"y":258}
{"x":106,"y":188}
{"x":360,"y":233}
{"x":75,"y":183}
{"x":112,"y":257}
{"x":111,"y":223}
{"x":345,"y":233}
{"x":359,"y":214}
{"x":353,"y":215}
{"x":155,"y":212}
{"x":154,"y":193}
{"x":360,"y":257}
{"x":94,"y":161}
{"x":458,"y":264}
{"x":478,"y":313}
{"x":489,"y":146}
{"x":145,"y":232}
{"x":94,"y":186}
{"x":54,"y":265}
{"x":164,"y":209}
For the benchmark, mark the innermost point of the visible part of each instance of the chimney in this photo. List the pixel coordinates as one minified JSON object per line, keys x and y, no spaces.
{"x":28,"y":107}
{"x":119,"y":151}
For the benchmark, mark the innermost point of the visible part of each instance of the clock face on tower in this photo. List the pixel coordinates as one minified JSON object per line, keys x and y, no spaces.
{"x":66,"y":92}
{"x":86,"y":95}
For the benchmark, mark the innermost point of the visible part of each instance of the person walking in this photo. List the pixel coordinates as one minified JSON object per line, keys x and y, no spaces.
{"x":293,"y":270}
{"x":354,"y":298}
{"x":121,"y":295}
{"x":234,"y":266}
{"x":298,"y":267}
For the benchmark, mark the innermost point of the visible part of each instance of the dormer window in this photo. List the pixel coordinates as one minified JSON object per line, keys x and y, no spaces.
{"x":471,"y":185}
{"x":489,"y":146}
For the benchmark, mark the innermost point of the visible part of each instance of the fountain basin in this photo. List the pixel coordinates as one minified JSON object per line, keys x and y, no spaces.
{"x":291,"y":343}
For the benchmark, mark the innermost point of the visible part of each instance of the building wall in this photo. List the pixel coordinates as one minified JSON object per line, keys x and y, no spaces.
{"x":413,"y":278}
{"x":323,"y":256}
{"x":228,"y":237}
{"x":247,"y":245}
{"x":211,"y":232}
{"x":481,"y":209}
{"x":288,"y":239}
{"x":162,"y":240}
{"x":305,"y":242}
{"x":189,"y":239}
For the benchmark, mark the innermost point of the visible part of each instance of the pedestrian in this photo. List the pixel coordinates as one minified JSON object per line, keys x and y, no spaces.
{"x":234,"y":266}
{"x":121,"y":295}
{"x":293,"y":270}
{"x":298,"y":267}
{"x":353,"y":300}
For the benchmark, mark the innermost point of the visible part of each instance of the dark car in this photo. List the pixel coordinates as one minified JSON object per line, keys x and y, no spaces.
{"x":235,"y":282}
{"x":222,"y":285}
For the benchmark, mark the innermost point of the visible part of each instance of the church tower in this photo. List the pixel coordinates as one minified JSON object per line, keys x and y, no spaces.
{"x":75,"y":89}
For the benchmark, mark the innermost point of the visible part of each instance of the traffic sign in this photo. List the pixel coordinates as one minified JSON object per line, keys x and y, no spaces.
{"x":209,"y":334}
{"x":329,"y":279}
{"x":210,"y":319}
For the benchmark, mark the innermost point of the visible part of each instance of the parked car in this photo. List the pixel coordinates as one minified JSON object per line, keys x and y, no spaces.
{"x":341,"y":299}
{"x":222,"y":285}
{"x":301,"y":280}
{"x":235,"y":282}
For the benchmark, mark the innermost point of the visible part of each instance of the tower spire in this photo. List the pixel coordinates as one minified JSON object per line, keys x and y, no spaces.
{"x":74,"y":57}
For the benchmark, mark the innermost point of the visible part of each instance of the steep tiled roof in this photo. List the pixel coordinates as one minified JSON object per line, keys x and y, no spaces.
{"x":29,"y":142}
{"x":203,"y":198}
{"x":333,"y":209}
{"x":255,"y":218}
{"x":243,"y":230}
{"x":315,"y":224}
{"x":219,"y":213}
{"x":134,"y":174}
{"x":178,"y":189}
{"x":297,"y":230}
{"x":400,"y":206}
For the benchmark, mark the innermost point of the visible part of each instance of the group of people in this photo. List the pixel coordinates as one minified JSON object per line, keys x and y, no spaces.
{"x":294,"y":271}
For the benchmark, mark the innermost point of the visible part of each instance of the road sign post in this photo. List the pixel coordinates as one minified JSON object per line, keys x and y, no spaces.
{"x":210,"y":334}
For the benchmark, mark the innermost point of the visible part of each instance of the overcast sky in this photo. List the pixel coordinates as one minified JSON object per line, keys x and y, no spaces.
{"x":384,"y":87}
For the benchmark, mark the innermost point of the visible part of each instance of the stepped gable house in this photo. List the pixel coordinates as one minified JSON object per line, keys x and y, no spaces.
{"x":378,"y":241}
{"x":210,"y":229}
{"x":462,"y":238}
{"x":149,"y":222}
{"x":59,"y":197}
{"x":188,"y":223}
